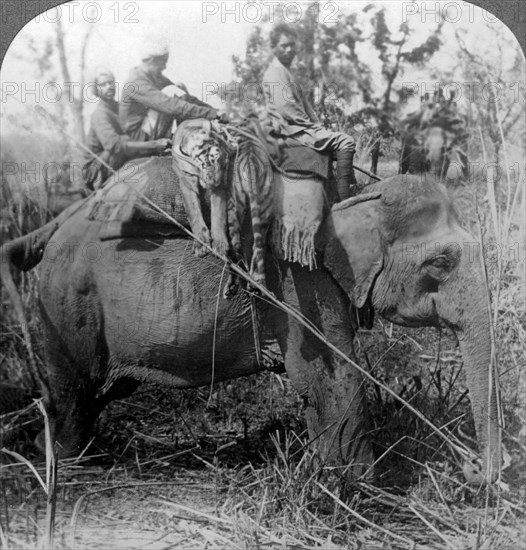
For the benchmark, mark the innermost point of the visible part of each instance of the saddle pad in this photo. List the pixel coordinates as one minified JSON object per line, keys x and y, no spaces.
{"x":303,"y":161}
{"x":134,"y":199}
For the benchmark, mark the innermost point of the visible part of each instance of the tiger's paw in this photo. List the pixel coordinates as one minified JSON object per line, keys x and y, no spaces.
{"x":200,"y":250}
{"x":231,"y":287}
{"x":220,"y":246}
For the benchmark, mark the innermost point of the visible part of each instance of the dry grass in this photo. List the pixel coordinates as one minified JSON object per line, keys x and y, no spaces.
{"x":172,"y":469}
{"x":166,"y":471}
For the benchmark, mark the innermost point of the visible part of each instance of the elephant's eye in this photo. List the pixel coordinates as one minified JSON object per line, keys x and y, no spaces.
{"x":440,"y":262}
{"x":439,"y":267}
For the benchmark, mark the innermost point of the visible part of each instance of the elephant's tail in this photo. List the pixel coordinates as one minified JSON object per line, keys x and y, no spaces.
{"x":24,"y":253}
{"x":16,"y":253}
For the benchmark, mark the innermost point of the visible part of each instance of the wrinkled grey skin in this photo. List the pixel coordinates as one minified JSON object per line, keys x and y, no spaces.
{"x":119,"y":312}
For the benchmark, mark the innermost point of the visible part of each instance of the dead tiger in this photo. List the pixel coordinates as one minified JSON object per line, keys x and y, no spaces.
{"x":233,"y":165}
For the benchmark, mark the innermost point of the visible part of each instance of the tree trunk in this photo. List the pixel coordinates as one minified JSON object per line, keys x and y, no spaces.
{"x":375,"y":155}
{"x":74,"y":101}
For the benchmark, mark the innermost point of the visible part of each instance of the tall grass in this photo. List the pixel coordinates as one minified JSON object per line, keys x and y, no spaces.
{"x":294,"y":499}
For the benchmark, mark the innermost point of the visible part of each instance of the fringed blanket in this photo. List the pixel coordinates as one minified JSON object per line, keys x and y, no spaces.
{"x":300,"y":206}
{"x":300,"y":202}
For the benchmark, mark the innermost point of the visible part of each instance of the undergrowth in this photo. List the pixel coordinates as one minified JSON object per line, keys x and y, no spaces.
{"x":233,"y":467}
{"x":256,"y":482}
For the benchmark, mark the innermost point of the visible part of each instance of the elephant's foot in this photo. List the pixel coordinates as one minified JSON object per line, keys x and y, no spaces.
{"x":62,"y":450}
{"x":353,"y":461}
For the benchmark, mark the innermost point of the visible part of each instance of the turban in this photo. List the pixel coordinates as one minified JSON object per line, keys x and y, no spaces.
{"x":154,"y":49}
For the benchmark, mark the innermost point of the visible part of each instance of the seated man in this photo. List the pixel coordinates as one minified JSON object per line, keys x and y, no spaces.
{"x":437,"y":123}
{"x":143,"y":91}
{"x":110,"y":145}
{"x":290,"y":114}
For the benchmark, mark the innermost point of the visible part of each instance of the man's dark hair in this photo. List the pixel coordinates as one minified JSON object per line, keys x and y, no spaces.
{"x":281,"y":29}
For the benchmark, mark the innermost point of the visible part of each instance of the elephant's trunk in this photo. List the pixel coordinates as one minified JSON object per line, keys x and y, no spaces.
{"x":467,"y":309}
{"x":482,"y":384}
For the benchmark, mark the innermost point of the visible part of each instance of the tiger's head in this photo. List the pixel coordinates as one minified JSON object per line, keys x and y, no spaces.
{"x":207,"y":152}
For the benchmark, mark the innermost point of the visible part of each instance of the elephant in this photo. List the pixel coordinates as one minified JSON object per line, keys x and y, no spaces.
{"x":119,"y":312}
{"x":434,"y":139}
{"x":433,"y":152}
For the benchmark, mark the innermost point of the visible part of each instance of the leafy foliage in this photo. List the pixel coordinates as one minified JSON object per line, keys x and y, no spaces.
{"x":342,"y":87}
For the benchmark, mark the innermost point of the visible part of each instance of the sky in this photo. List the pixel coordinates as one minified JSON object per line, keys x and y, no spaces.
{"x":200,"y":50}
{"x":203,"y":35}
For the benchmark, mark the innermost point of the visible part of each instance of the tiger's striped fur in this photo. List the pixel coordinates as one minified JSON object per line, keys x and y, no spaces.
{"x":233,"y":164}
{"x":251,"y":193}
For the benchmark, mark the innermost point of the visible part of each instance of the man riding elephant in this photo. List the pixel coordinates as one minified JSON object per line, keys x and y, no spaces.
{"x":143,"y":96}
{"x":110,"y":147}
{"x":435,"y":137}
{"x":291,"y":115}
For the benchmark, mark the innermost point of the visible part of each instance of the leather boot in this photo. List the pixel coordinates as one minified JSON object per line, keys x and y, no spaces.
{"x":345,"y":177}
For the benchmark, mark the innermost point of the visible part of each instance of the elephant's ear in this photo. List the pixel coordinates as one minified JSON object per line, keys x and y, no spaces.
{"x":464,"y":202}
{"x":352,"y":248}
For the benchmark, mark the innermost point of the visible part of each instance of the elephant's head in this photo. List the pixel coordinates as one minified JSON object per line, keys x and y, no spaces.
{"x":435,"y":147}
{"x":407,"y":254}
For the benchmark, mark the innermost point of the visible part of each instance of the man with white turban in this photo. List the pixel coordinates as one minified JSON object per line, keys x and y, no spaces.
{"x":145,"y":111}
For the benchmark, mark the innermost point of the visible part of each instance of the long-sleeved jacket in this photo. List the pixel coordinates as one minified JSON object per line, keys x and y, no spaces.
{"x":285,"y":101}
{"x":287,"y":107}
{"x":107,"y":140}
{"x":142,"y":92}
{"x":105,"y":133}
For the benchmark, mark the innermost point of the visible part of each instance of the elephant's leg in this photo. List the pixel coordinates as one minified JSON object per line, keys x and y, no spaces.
{"x":72,"y":409}
{"x":332,"y":389}
{"x":71,"y":401}
{"x":120,"y":389}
